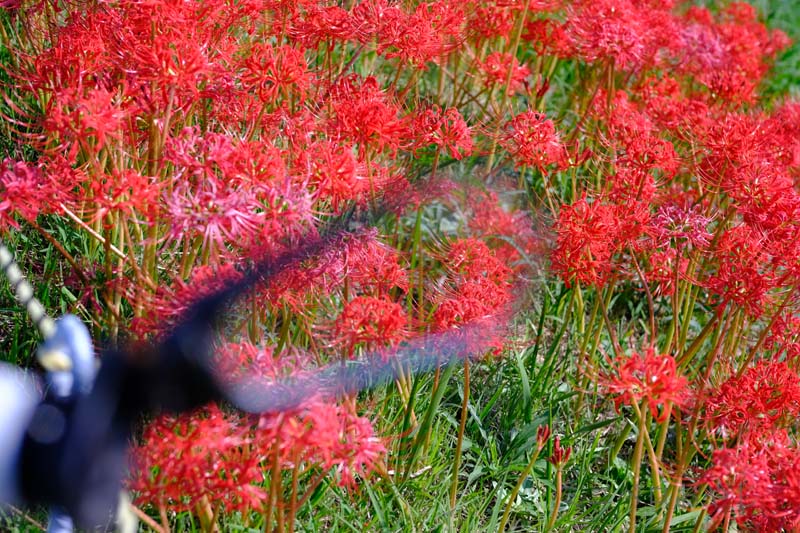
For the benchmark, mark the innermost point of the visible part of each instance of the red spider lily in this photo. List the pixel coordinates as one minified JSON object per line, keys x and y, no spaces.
{"x":171,"y":303}
{"x":366,"y":115}
{"x":126,"y":194}
{"x":646,"y":153}
{"x":320,"y":24}
{"x":729,"y":56}
{"x":367,"y":265}
{"x":620,"y":32}
{"x":497,"y":68}
{"x":585,"y":243}
{"x":741,"y":276}
{"x":609,"y":30}
{"x":542,"y":436}
{"x":208,"y":455}
{"x":632,"y":186}
{"x":784,"y":337}
{"x":669,"y":108}
{"x":682,"y":225}
{"x":198,"y":156}
{"x":763,"y":399}
{"x":216,"y":128}
{"x":446,"y":130}
{"x":234,"y":362}
{"x":478,"y":285}
{"x":85,"y":121}
{"x":765,"y":196}
{"x":758,"y":482}
{"x":373,"y":17}
{"x":232,"y":359}
{"x":269,"y":72}
{"x":647,"y":377}
{"x":232,"y":192}
{"x":786,"y":119}
{"x":488,"y":20}
{"x":428,"y":34}
{"x":218,"y":213}
{"x":470,"y":301}
{"x":497,"y":225}
{"x":532,"y":140}
{"x":560,"y":455}
{"x":471,"y":259}
{"x":661,"y":271}
{"x":622,"y":118}
{"x":735,"y":141}
{"x":28,"y":191}
{"x":496,"y":18}
{"x":371,"y":322}
{"x":699,"y":42}
{"x":329,"y":435}
{"x":220,"y":458}
{"x":548,"y":38}
{"x":333,"y":169}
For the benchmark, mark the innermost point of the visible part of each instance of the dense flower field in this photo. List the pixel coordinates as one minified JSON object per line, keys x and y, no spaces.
{"x":601,"y":185}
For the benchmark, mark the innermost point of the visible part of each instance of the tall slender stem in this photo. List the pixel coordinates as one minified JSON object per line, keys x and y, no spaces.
{"x":637,"y":470}
{"x":557,"y":501}
{"x":513,"y":496}
{"x":504,"y":96}
{"x":459,"y":443}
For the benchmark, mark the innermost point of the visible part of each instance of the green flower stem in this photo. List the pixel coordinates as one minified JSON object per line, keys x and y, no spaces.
{"x":557,"y":502}
{"x":460,"y":441}
{"x":513,"y":496}
{"x":636,"y":461}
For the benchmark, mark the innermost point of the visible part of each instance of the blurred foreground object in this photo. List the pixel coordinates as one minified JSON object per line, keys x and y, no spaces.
{"x":67,"y":447}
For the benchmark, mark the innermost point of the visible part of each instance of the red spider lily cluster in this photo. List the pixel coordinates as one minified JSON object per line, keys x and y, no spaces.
{"x":754,"y":470}
{"x":183,"y":138}
{"x":759,"y":480}
{"x":216,"y":460}
{"x":647,"y":377}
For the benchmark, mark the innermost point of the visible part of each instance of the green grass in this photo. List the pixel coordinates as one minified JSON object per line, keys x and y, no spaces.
{"x":785,"y":77}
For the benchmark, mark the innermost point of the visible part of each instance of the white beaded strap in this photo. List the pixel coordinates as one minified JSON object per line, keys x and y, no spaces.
{"x":50,"y":360}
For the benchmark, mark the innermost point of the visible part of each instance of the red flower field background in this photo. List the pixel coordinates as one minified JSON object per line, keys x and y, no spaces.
{"x":604,"y":186}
